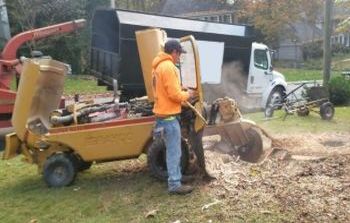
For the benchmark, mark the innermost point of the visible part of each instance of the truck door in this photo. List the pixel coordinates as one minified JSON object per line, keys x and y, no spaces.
{"x":260,"y":72}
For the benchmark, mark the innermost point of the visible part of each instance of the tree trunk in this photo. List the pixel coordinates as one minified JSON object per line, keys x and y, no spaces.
{"x":327,"y":42}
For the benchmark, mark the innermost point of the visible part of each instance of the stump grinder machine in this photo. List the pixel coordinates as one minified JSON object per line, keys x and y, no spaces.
{"x":63,"y":142}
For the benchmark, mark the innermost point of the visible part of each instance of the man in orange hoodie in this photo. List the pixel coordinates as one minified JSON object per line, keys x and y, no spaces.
{"x":168,"y":97}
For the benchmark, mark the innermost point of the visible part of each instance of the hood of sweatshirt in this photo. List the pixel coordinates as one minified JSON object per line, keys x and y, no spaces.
{"x":160,"y":58}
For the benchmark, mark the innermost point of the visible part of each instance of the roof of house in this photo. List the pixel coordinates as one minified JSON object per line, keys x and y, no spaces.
{"x":303,"y":33}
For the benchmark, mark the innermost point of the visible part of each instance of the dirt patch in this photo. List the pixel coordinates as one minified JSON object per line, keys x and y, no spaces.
{"x":307,"y":179}
{"x":316,"y":144}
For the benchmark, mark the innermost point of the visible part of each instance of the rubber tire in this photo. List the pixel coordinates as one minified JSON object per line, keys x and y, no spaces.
{"x":59,"y":162}
{"x":254,"y":149}
{"x":156,"y":158}
{"x":327,"y":111}
{"x":269,"y":109}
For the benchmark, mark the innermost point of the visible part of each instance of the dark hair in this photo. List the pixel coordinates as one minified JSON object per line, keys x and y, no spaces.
{"x":172,"y":45}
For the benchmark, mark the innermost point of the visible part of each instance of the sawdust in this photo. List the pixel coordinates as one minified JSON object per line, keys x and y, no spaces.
{"x":233,"y":81}
{"x":308,"y":178}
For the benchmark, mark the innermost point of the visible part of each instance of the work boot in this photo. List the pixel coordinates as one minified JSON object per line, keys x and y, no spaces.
{"x":182,"y":190}
{"x":187,"y":179}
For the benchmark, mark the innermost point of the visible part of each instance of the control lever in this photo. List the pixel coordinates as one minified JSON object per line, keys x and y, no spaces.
{"x":197,"y":112}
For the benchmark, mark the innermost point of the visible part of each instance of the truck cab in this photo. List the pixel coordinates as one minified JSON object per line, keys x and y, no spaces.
{"x":262,"y":78}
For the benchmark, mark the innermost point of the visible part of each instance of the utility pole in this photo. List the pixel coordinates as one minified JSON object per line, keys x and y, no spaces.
{"x":327,"y":42}
{"x":112,"y":4}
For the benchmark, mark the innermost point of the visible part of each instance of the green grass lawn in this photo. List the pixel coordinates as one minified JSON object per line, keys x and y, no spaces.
{"x":82,"y":85}
{"x":115,"y":192}
{"x":303,"y":74}
{"x":295,"y":124}
{"x":312,"y":69}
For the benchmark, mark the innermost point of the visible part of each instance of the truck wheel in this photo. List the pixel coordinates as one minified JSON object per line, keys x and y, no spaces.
{"x":156,"y":158}
{"x":254,"y":149}
{"x":327,"y":111}
{"x":59,"y":170}
{"x":269,"y":111}
{"x":274,"y":102}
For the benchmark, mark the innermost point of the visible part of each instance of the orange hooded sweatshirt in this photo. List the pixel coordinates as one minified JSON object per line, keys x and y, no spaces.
{"x":167,"y":92}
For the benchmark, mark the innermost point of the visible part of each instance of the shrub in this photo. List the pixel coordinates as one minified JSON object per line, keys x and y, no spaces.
{"x":338,"y":48}
{"x":339,"y":91}
{"x":312,"y":50}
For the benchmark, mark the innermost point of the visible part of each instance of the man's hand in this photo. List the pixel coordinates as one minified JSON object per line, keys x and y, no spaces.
{"x":193,"y":93}
{"x":193,"y":96}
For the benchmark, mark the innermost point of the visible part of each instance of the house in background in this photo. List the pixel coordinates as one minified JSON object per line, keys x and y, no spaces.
{"x":343,"y":37}
{"x":291,"y":48}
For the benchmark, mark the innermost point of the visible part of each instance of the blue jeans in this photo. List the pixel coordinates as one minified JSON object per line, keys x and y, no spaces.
{"x":172,"y":139}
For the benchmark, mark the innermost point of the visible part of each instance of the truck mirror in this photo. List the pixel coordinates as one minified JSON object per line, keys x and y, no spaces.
{"x":271,"y":68}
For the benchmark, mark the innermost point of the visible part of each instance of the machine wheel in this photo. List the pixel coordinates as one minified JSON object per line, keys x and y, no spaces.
{"x":304,"y":111}
{"x":327,"y":111}
{"x":156,"y":157}
{"x":59,"y":170}
{"x":254,"y":149}
{"x":274,"y":99}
